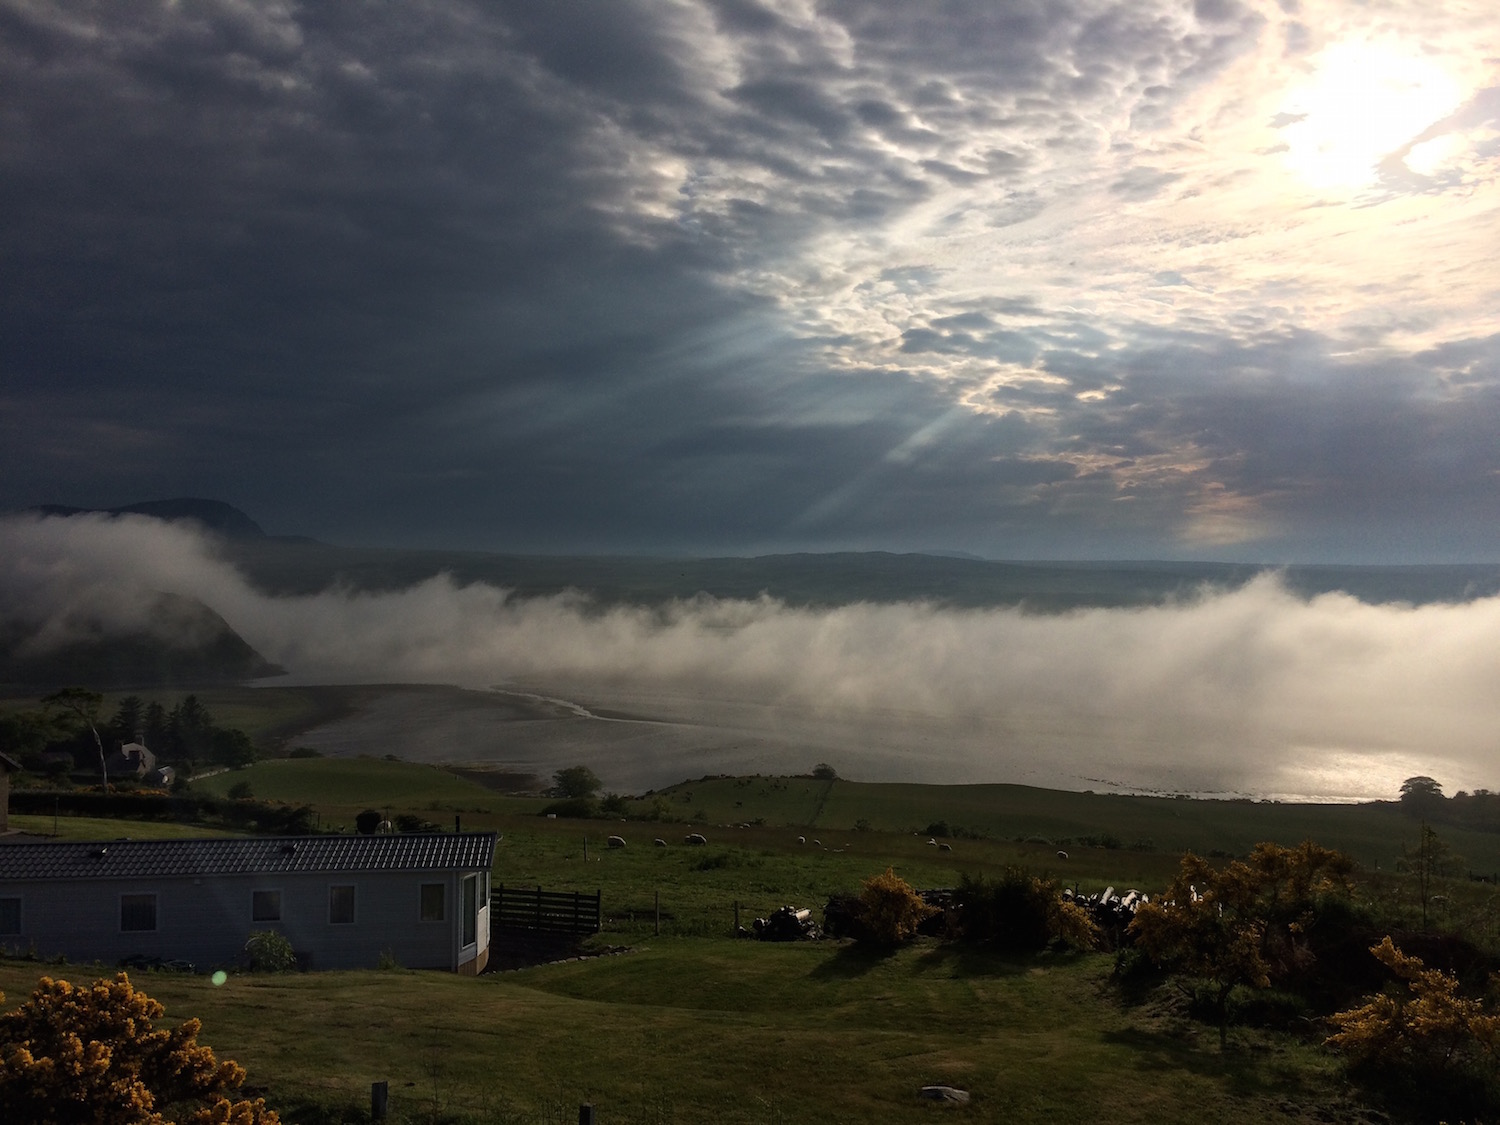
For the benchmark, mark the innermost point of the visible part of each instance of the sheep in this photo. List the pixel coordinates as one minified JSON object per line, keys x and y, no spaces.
{"x":801,"y":839}
{"x":616,"y":841}
{"x":945,"y":847}
{"x":1062,"y":855}
{"x":660,"y":843}
{"x":697,"y":839}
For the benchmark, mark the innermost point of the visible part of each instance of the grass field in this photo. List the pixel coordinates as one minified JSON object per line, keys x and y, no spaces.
{"x":690,"y":1026}
{"x":1045,"y":819}
{"x":697,"y":1031}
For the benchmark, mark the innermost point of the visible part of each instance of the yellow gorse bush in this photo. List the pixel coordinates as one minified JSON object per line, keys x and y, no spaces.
{"x":73,"y":1055}
{"x":892,"y":909}
{"x":1430,"y":1023}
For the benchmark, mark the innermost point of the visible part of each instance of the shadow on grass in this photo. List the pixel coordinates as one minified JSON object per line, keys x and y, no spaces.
{"x":971,"y":960}
{"x":1249,"y":1068}
{"x":853,"y":960}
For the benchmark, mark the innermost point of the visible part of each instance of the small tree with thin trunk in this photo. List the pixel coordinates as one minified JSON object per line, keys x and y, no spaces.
{"x":85,"y":705}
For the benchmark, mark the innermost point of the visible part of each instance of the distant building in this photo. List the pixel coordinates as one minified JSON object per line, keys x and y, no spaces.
{"x":130,"y":760}
{"x":341,"y":901}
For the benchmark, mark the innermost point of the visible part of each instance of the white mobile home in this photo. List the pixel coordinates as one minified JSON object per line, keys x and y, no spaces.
{"x":342,"y":901}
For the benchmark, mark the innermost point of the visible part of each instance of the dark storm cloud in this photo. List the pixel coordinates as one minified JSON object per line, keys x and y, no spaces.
{"x":551,"y":277}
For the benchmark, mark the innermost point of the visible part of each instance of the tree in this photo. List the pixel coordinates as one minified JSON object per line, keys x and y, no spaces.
{"x":92,"y":1056}
{"x":129,"y":721}
{"x":1421,"y":795}
{"x":824,"y":772}
{"x":1429,"y":860}
{"x":85,"y":705}
{"x":1205,"y":927}
{"x":1238,"y":926}
{"x":190,"y":730}
{"x":155,"y":726}
{"x":576,"y":781}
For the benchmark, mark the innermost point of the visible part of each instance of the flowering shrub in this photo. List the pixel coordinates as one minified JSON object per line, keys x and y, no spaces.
{"x":891,"y":911}
{"x":72,"y":1055}
{"x":1428,"y":1025}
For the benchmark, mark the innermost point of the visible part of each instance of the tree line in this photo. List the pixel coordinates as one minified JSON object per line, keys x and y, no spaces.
{"x":71,"y":724}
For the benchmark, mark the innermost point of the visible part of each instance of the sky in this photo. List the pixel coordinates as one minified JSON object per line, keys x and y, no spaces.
{"x":1043,"y":279}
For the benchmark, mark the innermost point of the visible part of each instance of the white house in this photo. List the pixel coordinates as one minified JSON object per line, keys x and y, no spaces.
{"x":342,"y":901}
{"x":130,"y":760}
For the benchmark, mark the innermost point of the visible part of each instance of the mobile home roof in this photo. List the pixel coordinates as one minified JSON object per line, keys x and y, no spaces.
{"x":109,"y":859}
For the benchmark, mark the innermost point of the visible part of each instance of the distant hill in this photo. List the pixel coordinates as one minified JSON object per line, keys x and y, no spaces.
{"x":187,"y":645}
{"x":286,"y":565}
{"x":839,"y":578}
{"x":214,"y":515}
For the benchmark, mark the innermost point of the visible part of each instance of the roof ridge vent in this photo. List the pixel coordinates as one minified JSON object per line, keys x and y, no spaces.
{"x":288,"y":849}
{"x":100,"y":852}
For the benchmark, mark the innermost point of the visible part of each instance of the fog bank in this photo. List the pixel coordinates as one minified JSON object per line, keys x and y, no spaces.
{"x":1254,"y":691}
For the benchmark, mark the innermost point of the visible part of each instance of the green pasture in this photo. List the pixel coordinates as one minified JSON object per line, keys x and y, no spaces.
{"x":696,"y":1031}
{"x":94,"y":828}
{"x":763,"y":853}
{"x":341,"y":787}
{"x":1372,"y":833}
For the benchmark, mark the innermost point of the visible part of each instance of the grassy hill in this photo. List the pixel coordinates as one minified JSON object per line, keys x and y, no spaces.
{"x":742,"y":1033}
{"x":691,"y":1026}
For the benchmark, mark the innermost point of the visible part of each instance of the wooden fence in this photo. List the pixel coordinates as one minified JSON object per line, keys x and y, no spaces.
{"x":531,"y":908}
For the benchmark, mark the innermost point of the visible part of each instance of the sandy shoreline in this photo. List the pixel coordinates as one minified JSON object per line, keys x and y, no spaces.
{"x":637,"y":739}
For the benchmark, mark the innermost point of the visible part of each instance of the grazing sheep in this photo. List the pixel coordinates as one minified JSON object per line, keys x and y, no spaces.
{"x":945,"y":847}
{"x":801,"y":839}
{"x":616,"y":841}
{"x":1062,"y":855}
{"x":817,"y":843}
{"x":695,"y":838}
{"x":931,"y":843}
{"x":660,"y":843}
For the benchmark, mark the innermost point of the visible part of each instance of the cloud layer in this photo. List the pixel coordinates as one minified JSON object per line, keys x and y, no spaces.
{"x":1254,"y":691}
{"x":1027,"y":279}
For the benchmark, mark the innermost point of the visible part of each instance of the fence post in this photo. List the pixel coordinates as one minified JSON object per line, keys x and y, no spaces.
{"x":379,"y":1095}
{"x":586,"y":1114}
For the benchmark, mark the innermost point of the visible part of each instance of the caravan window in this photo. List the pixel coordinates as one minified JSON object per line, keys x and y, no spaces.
{"x":471,"y":909}
{"x":341,"y":905}
{"x":265,"y":906}
{"x":433,"y":904}
{"x":137,"y":913}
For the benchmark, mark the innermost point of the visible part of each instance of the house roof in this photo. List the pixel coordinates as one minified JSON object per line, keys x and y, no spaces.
{"x":254,"y":855}
{"x":9,"y":764}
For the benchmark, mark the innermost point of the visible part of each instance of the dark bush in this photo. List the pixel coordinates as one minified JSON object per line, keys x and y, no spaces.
{"x":573,"y":808}
{"x":367,"y":823}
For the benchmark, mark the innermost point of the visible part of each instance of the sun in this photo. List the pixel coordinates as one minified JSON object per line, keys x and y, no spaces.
{"x":1362,"y":102}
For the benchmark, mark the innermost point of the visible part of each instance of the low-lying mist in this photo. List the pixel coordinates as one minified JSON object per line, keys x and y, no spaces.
{"x":1253,"y":691}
